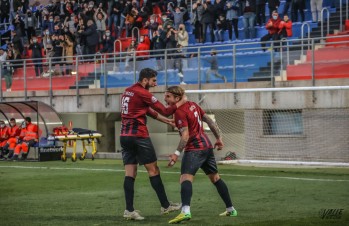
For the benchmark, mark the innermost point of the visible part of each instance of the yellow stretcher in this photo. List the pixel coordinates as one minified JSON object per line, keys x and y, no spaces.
{"x":91,"y":138}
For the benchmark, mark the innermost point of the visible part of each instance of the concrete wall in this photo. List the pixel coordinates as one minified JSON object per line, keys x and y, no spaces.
{"x":325,"y":116}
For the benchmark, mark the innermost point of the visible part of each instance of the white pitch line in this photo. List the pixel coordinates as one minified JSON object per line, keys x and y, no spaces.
{"x":169,"y":172}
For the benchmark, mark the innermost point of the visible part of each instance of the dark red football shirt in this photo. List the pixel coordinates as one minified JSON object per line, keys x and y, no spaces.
{"x":190,"y":115}
{"x":136,"y":103}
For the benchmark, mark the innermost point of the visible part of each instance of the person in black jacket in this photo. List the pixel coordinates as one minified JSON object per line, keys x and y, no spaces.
{"x":36,"y":55}
{"x":208,"y":19}
{"x":91,"y":36}
{"x":222,"y":25}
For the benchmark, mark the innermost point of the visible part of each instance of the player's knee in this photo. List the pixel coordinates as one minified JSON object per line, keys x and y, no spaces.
{"x":214,"y":177}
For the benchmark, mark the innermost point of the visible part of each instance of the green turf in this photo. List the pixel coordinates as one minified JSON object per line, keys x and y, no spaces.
{"x":91,"y":193}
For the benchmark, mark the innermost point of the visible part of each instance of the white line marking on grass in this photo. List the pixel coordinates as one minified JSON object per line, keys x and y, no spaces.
{"x":169,"y":172}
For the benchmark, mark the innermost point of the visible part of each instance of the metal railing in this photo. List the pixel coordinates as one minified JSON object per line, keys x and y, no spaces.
{"x":233,"y":52}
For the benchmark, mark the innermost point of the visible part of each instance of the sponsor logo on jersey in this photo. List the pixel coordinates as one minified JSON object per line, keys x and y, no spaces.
{"x":153,"y":99}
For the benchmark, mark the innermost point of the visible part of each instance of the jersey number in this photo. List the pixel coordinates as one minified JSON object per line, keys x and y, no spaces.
{"x":198,"y":118}
{"x":124,"y":105}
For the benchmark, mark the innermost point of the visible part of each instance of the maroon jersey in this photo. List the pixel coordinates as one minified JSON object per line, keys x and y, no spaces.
{"x":190,"y":115}
{"x":136,"y":103}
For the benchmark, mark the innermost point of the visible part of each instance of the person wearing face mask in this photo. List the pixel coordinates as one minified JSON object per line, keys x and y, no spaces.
{"x":30,"y":134}
{"x":8,"y":147}
{"x":36,"y":48}
{"x":151,"y":25}
{"x":49,"y":24}
{"x":143,"y":47}
{"x":108,"y":43}
{"x":178,"y":15}
{"x":273,"y":29}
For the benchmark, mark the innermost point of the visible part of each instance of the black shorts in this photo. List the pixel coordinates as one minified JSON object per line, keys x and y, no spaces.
{"x":137,"y":150}
{"x":193,"y":160}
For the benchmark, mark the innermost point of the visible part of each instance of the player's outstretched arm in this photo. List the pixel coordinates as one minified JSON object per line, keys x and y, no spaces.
{"x":215,"y":130}
{"x":182,"y":143}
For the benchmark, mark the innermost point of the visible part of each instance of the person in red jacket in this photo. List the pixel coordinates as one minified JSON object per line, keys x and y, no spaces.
{"x":3,"y":136}
{"x":30,"y":138}
{"x":273,"y":29}
{"x":143,"y":47}
{"x":285,"y":28}
{"x":9,"y":145}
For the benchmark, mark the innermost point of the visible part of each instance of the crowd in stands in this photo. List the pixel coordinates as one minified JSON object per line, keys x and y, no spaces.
{"x":63,"y":28}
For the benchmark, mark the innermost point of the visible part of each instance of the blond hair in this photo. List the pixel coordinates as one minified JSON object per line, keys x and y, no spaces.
{"x":177,"y":91}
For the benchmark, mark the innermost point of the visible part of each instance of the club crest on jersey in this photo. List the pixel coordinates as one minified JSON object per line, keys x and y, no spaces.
{"x":153,"y":99}
{"x":179,"y":122}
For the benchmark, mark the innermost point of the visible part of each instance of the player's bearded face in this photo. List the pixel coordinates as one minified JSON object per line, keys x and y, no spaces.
{"x":150,"y":83}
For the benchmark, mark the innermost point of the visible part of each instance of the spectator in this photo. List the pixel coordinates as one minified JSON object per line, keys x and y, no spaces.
{"x":272,"y":27}
{"x":178,"y":64}
{"x":19,"y":27}
{"x":143,"y":47}
{"x":171,"y":43}
{"x":68,"y":48}
{"x":182,"y":38}
{"x":58,"y":41}
{"x":198,"y":10}
{"x":126,"y":9}
{"x":166,"y":22}
{"x":100,"y":18}
{"x":213,"y":67}
{"x":91,"y":38}
{"x":36,"y":48}
{"x":9,"y":70}
{"x":298,"y":6}
{"x":30,"y":22}
{"x":208,"y":19}
{"x":79,"y":38}
{"x":232,"y":18}
{"x":151,"y":25}
{"x":130,"y":21}
{"x":49,"y":24}
{"x":316,"y":7}
{"x":114,"y":12}
{"x":71,"y":23}
{"x":17,"y":41}
{"x":221,"y":28}
{"x":178,"y":15}
{"x":47,"y":43}
{"x":30,"y":137}
{"x":273,"y":5}
{"x":5,"y":11}
{"x":131,"y":51}
{"x":260,"y":12}
{"x":287,"y":6}
{"x":159,"y":43}
{"x":4,"y":70}
{"x":249,"y":14}
{"x":108,"y":43}
{"x":285,"y":28}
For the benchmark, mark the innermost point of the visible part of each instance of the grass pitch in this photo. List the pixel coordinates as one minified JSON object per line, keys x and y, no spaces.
{"x":91,"y":193}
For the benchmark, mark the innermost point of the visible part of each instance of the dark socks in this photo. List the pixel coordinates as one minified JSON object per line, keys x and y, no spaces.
{"x":129,"y":183}
{"x":186,"y":192}
{"x":223,"y":192}
{"x":158,"y":186}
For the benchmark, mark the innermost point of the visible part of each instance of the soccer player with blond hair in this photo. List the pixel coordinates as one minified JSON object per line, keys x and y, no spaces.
{"x":198,"y":151}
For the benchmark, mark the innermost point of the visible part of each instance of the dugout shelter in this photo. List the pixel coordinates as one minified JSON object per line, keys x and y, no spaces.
{"x":42,"y":115}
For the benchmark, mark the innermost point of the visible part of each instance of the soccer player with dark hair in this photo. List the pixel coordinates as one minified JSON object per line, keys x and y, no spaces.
{"x":137,"y":148}
{"x":198,"y":152}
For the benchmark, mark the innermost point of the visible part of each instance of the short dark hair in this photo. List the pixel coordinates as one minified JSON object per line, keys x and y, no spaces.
{"x":12,"y":119}
{"x":147,"y":73}
{"x":28,"y":119}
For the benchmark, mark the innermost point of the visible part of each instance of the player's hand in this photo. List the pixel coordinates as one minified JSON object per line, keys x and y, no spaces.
{"x":219,"y":144}
{"x":172,"y":160}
